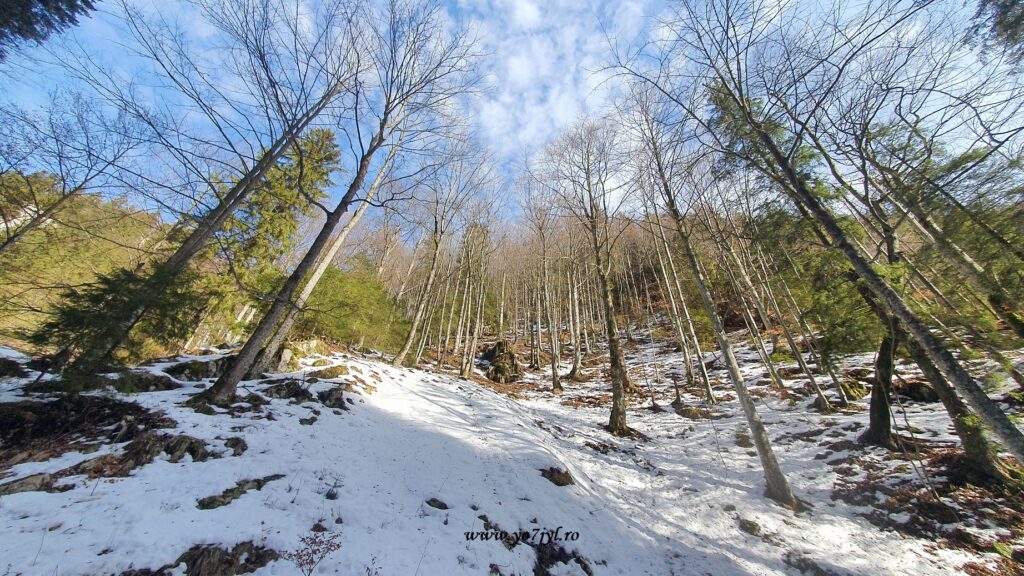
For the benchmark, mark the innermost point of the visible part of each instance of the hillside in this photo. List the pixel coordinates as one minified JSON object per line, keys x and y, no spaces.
{"x":404,"y":463}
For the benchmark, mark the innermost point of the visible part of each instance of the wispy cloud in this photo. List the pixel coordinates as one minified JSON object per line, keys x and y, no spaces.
{"x":544,"y":64}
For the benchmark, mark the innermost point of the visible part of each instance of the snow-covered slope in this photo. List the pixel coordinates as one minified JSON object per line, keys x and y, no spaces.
{"x":417,"y":460}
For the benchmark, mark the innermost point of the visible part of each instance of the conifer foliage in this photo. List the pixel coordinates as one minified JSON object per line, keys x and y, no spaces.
{"x":34,"y":20}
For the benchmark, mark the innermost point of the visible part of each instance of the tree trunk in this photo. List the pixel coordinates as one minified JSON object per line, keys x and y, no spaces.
{"x":553,"y":340}
{"x":418,"y":317}
{"x":223,"y":391}
{"x":100,"y":351}
{"x":932,"y":347}
{"x":777,"y":487}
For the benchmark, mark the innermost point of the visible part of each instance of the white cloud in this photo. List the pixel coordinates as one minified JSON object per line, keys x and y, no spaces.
{"x":544,"y":64}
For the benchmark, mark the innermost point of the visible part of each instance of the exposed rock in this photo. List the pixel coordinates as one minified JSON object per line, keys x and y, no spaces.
{"x":195,"y":370}
{"x":861,"y":374}
{"x":822,"y":405}
{"x":209,"y":560}
{"x":330,"y":372}
{"x":855,"y":390}
{"x":806,"y":565}
{"x":743,"y":438}
{"x":10,"y":368}
{"x":31,"y":483}
{"x":235,"y":492}
{"x":286,"y":362}
{"x":693,"y":412}
{"x":789,"y":372}
{"x":557,"y":476}
{"x":35,"y":431}
{"x":106,"y":466}
{"x":135,"y":381}
{"x":332,"y":398}
{"x":915,"y":390}
{"x":307,"y":347}
{"x":307,"y":421}
{"x":292,"y":389}
{"x":435,"y":503}
{"x":237,"y":445}
{"x":750,"y":527}
{"x":549,"y":554}
{"x":505,"y":367}
{"x":151,"y":444}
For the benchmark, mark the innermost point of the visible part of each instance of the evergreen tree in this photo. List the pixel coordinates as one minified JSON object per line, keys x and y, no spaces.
{"x":1004,"y":20}
{"x":244,"y":264}
{"x":246,"y":255}
{"x":35,"y":20}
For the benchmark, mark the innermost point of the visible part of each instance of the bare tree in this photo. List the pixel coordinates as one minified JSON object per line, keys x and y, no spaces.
{"x":584,"y":170}
{"x":70,"y":142}
{"x":732,"y":58}
{"x":460,"y":175}
{"x":287,"y":65}
{"x":539,"y":208}
{"x":416,"y":69}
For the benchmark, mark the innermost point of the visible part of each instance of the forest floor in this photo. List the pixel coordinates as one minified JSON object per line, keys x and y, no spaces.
{"x":410,"y":472}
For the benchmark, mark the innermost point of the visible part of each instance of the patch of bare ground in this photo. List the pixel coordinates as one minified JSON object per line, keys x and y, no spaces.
{"x":588,"y":400}
{"x":34,"y":431}
{"x":513,"y":390}
{"x":932,"y":493}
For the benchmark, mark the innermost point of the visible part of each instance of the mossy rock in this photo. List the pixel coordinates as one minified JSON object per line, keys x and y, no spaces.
{"x":861,"y":374}
{"x":292,"y":389}
{"x":307,"y":347}
{"x":789,"y":372}
{"x":330,"y":372}
{"x":196,"y":370}
{"x":855,"y":390}
{"x":1015,"y":397}
{"x":505,"y":367}
{"x":287,"y":361}
{"x":750,"y":527}
{"x":133,"y":382}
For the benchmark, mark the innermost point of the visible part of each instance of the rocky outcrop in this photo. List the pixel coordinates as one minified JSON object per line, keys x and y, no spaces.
{"x":195,"y":370}
{"x":505,"y":367}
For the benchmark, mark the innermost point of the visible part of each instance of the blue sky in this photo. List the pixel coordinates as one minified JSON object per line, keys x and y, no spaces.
{"x":542,"y":63}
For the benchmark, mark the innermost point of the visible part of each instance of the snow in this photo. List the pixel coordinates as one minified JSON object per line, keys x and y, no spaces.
{"x":667,"y":505}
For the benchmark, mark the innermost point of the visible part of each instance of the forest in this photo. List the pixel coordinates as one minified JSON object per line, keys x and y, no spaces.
{"x":500,"y":287}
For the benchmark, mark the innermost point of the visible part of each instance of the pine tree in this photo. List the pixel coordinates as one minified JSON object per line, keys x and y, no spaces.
{"x":34,"y":20}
